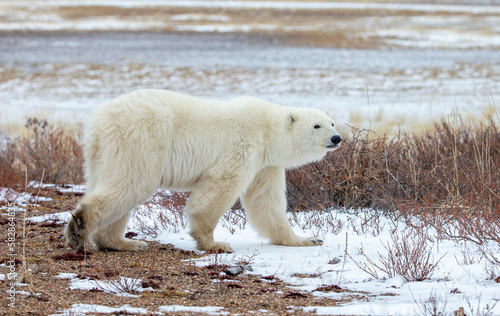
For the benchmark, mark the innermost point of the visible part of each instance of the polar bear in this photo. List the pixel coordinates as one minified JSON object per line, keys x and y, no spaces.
{"x":220,"y":150}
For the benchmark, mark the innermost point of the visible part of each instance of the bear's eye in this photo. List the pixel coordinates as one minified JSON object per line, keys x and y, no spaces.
{"x":333,"y":125}
{"x":316,"y":126}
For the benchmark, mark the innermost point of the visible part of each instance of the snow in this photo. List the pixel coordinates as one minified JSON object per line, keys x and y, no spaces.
{"x":81,"y":309}
{"x":26,"y":293}
{"x":64,"y":275}
{"x":199,"y":17}
{"x":439,"y":38}
{"x":282,"y":5}
{"x":78,"y":309}
{"x":446,"y":19}
{"x":67,"y":188}
{"x":462,"y":277}
{"x":210,"y":310}
{"x":119,"y":286}
{"x":8,"y":195}
{"x":63,"y":217}
{"x":13,"y":198}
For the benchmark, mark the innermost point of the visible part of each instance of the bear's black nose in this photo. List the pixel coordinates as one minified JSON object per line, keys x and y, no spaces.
{"x":336,"y":139}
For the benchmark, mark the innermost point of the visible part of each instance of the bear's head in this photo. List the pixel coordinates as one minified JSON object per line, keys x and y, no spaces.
{"x":313,"y":135}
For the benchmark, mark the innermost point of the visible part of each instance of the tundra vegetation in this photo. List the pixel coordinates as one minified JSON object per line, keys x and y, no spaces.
{"x":444,"y":180}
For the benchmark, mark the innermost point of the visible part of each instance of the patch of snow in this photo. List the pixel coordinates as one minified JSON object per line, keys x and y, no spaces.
{"x":74,"y":188}
{"x":225,"y":28}
{"x":11,"y":196}
{"x":26,"y":293}
{"x":210,"y":310}
{"x":434,"y":38}
{"x":77,"y":188}
{"x":120,"y":286}
{"x":79,"y":309}
{"x":58,"y":217}
{"x":363,"y":309}
{"x":288,"y":5}
{"x":199,"y":17}
{"x":66,"y":275}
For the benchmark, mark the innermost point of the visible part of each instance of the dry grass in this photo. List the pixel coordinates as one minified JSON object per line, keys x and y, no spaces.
{"x":9,"y":175}
{"x":44,"y":152}
{"x":450,"y":164}
{"x":408,"y":256}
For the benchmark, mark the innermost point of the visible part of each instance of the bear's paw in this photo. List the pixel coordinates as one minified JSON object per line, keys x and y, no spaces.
{"x":219,"y":247}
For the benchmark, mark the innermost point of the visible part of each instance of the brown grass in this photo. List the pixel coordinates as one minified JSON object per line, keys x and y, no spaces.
{"x":44,"y":152}
{"x":9,"y":176}
{"x":450,"y":164}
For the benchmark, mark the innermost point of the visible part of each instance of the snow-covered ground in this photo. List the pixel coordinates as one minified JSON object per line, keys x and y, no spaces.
{"x":64,"y":76}
{"x":393,"y":24}
{"x":352,"y":257}
{"x":86,"y":309}
{"x":45,"y":15}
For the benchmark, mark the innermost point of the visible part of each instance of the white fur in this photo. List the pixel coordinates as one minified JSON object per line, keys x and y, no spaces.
{"x":221,"y":150}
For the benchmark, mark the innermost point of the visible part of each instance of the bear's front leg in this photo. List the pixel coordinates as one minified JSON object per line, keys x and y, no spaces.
{"x":202,"y":230}
{"x":265,"y":204}
{"x":205,"y":206}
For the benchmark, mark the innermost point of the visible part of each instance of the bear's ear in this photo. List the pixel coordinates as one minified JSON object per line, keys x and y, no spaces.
{"x":291,"y":118}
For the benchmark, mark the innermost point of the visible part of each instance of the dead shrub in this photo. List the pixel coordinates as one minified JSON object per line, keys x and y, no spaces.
{"x":447,"y":164}
{"x":120,"y":285}
{"x":10,"y":177}
{"x":50,"y":150}
{"x":461,"y":198}
{"x":45,"y":151}
{"x":408,"y":256}
{"x":351,"y":177}
{"x":163,"y":212}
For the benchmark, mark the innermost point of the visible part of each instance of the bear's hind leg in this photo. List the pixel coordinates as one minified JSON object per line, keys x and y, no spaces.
{"x":265,"y":204}
{"x":103,"y":217}
{"x":112,"y":237}
{"x":75,"y":232}
{"x":84,"y":221}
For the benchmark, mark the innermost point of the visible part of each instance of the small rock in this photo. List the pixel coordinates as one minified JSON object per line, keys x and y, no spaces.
{"x":334,"y":261}
{"x":236,"y":270}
